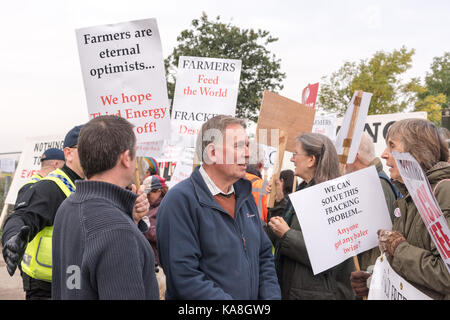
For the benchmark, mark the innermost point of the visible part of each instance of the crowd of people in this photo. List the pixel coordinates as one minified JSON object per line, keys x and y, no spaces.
{"x":83,"y":230}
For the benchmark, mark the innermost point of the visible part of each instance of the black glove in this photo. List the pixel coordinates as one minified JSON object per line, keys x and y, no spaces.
{"x":15,"y":248}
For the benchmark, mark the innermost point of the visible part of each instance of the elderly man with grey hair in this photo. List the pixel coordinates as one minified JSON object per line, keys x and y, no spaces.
{"x":253,"y":174}
{"x":365,"y":158}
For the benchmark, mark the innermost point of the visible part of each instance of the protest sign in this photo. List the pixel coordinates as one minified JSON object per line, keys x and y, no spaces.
{"x":205,"y":87}
{"x":326,"y":125}
{"x":183,"y":168}
{"x":349,"y":135}
{"x":386,"y":284}
{"x":30,"y":161}
{"x":340,"y":218}
{"x":378,"y":125}
{"x":427,"y":205}
{"x":7,"y":165}
{"x":124,"y":75}
{"x":280,"y":113}
{"x":309,"y":95}
{"x":162,"y":151}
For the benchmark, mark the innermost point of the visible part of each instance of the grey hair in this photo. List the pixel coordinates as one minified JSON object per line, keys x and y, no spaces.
{"x":322,"y":148}
{"x":366,"y":150}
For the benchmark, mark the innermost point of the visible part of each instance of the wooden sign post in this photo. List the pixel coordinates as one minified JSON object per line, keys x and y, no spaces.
{"x":276,"y":174}
{"x":347,"y":144}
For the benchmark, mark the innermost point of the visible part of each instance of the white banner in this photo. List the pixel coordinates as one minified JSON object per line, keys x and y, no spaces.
{"x":326,"y":125}
{"x":30,"y":161}
{"x":427,"y":205}
{"x":378,"y":125}
{"x":358,"y":129}
{"x":205,"y":87}
{"x":340,"y":218}
{"x":124,"y":75}
{"x":7,"y":165}
{"x":386,"y":284}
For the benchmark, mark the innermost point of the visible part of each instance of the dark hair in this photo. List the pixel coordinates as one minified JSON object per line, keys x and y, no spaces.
{"x":288,"y":181}
{"x":421,"y":139}
{"x":101,"y":142}
{"x":327,"y":162}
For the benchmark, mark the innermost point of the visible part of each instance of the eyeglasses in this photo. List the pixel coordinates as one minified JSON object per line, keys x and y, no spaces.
{"x":294,"y":154}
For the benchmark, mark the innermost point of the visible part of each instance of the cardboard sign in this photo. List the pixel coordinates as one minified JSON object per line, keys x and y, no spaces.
{"x":309,"y":95}
{"x":205,"y":87}
{"x":386,"y":284}
{"x":326,"y":125}
{"x":30,"y":161}
{"x":340,"y":218}
{"x":427,"y":205}
{"x":280,"y":113}
{"x":358,"y":126}
{"x":124,"y":75}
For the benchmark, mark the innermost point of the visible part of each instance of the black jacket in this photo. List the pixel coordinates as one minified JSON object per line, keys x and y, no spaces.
{"x":36,"y":207}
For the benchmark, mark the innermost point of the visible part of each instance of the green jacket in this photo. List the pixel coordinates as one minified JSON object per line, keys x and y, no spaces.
{"x":369,"y":257}
{"x":294,"y":270}
{"x":417,"y":259}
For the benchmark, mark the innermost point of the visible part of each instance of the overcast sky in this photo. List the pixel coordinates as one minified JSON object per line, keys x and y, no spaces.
{"x":41,"y":88}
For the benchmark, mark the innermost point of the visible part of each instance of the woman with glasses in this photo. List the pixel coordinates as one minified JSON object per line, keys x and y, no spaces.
{"x":316,"y":161}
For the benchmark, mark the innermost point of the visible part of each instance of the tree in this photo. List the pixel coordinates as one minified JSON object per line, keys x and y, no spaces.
{"x":435,"y":94}
{"x":260,"y":68}
{"x":380,"y":76}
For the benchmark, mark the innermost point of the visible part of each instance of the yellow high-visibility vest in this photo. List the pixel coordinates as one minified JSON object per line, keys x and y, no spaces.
{"x":34,"y":178}
{"x":37,"y":260}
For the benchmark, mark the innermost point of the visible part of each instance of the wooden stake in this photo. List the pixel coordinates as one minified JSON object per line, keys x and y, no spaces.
{"x":3,"y":215}
{"x":137,"y":181}
{"x":347,"y":144}
{"x":294,"y":185}
{"x":276,"y":174}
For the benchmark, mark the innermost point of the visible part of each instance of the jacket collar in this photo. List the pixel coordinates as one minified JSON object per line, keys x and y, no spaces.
{"x":242,"y":189}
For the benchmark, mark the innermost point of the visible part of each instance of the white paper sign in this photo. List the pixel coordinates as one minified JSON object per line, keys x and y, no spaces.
{"x":358,"y":129}
{"x":205,"y":87}
{"x":7,"y":165}
{"x":326,"y":125}
{"x":340,"y":218}
{"x":427,"y":205}
{"x":30,"y":161}
{"x":124,"y":75}
{"x":183,"y":168}
{"x":386,"y":284}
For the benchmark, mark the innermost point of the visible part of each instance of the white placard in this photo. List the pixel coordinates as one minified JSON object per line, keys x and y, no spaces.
{"x":123,"y":73}
{"x":183,"y":168}
{"x":358,"y":129}
{"x":427,"y":205}
{"x":326,"y":125}
{"x":30,"y":161}
{"x":205,"y":87}
{"x":7,"y":165}
{"x":386,"y":284}
{"x":340,"y":218}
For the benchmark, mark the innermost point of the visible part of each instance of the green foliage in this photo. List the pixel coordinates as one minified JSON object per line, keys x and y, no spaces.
{"x":381,"y":76}
{"x":435,"y":94}
{"x":214,"y":39}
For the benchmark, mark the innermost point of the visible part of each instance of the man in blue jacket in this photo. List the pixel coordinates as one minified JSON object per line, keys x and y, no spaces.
{"x":210,"y":238}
